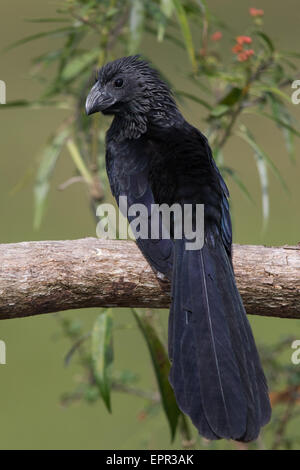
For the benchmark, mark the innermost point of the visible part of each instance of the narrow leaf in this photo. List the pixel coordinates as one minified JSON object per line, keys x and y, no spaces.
{"x":266,"y":40}
{"x":232,"y":96}
{"x":167,"y":8}
{"x":74,"y":348}
{"x":186,"y":32}
{"x":276,"y":119}
{"x":233,"y":174}
{"x":79,"y":162}
{"x":263,"y":176}
{"x":219,"y":110}
{"x":218,"y":156}
{"x":170,"y":37}
{"x":161,"y":366}
{"x":78,"y":64}
{"x":47,"y":20}
{"x":291,"y":54}
{"x":194,"y":98}
{"x":261,"y":161}
{"x":276,"y":91}
{"x":48,"y":57}
{"x":34,"y":104}
{"x":54,"y":33}
{"x":45,"y":170}
{"x":248,"y":137}
{"x":280,"y":112}
{"x":102,"y":354}
{"x":136,"y":22}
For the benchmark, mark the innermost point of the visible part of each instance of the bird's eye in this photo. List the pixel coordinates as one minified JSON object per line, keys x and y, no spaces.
{"x":118,"y":83}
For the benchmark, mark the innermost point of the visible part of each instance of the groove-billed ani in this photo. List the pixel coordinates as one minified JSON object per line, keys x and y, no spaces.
{"x":154,"y":156}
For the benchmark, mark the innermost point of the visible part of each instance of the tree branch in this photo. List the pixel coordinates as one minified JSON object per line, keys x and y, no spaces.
{"x":50,"y":276}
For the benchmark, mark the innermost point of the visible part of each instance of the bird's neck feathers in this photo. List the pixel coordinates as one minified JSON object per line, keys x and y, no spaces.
{"x":153,"y":109}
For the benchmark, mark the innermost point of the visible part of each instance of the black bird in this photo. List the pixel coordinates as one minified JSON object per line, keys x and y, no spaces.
{"x":153,"y":155}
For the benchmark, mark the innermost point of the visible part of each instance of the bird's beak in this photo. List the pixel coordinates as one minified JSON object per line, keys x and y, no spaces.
{"x":98,"y":100}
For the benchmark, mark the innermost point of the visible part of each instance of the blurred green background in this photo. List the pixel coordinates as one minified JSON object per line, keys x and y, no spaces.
{"x":34,"y":377}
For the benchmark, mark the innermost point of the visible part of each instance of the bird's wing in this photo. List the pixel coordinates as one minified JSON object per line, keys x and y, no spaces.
{"x":226,"y":227}
{"x":129,"y":176}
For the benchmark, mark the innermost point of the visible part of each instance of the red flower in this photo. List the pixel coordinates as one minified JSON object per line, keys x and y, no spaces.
{"x":255,"y":12}
{"x":243,"y":56}
{"x":216,"y":36}
{"x":249,"y":52}
{"x":237,"y":48}
{"x":243,"y":40}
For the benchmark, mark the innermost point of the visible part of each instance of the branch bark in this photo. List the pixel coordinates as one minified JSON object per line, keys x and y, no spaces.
{"x":50,"y":276}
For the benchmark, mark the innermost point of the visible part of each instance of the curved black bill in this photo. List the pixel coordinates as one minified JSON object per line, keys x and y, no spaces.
{"x":98,"y":100}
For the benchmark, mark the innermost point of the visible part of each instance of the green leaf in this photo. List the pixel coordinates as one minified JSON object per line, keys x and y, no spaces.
{"x":193,"y":98}
{"x":280,"y":113}
{"x":45,"y":170}
{"x":16,"y":104}
{"x":136,"y":22}
{"x":102,"y":354}
{"x":201,"y":83}
{"x":186,"y":32}
{"x":161,"y":366}
{"x":34,"y":104}
{"x":170,"y":37}
{"x":282,"y":123}
{"x":233,"y":174}
{"x":275,"y":91}
{"x":167,"y":8}
{"x":75,"y":347}
{"x":218,"y":156}
{"x":48,"y":57}
{"x":275,"y":119}
{"x":47,"y":20}
{"x":248,"y":137}
{"x":79,"y":162}
{"x":232,"y":96}
{"x":289,"y":63}
{"x":219,"y":110}
{"x":231,"y":78}
{"x":261,"y":160}
{"x":54,"y":33}
{"x":263,"y":176}
{"x":78,"y":64}
{"x":289,"y":143}
{"x":266,"y":40}
{"x":291,"y":54}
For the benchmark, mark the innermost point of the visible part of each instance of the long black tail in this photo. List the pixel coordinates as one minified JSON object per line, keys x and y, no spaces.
{"x":216,"y":372}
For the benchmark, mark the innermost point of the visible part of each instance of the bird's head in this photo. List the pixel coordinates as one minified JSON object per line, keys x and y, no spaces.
{"x":129,"y":87}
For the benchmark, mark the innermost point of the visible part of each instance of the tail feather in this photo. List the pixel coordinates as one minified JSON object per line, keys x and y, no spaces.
{"x":216,"y":372}
{"x":258,"y":401}
{"x":185,"y":382}
{"x":243,"y":346}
